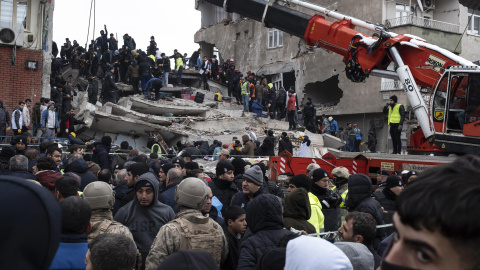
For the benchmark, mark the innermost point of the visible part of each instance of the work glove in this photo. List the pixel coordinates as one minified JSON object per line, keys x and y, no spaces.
{"x":400,"y":128}
{"x":19,"y":131}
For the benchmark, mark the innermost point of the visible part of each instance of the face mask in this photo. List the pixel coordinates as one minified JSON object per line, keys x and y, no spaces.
{"x":388,"y":266}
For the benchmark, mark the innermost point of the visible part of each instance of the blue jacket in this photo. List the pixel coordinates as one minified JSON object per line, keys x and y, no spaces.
{"x":358,"y":134}
{"x":45,"y":118}
{"x":151,"y":81}
{"x":71,"y":252}
{"x":333,"y":126}
{"x":169,"y":195}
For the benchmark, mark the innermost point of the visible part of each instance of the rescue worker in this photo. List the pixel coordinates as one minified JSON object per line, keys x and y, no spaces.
{"x":109,"y":90}
{"x":156,"y":148}
{"x":271,"y":100}
{"x":309,"y":113}
{"x":244,"y":93}
{"x":330,"y":200}
{"x":190,"y":229}
{"x":101,"y":198}
{"x":340,"y":179}
{"x":396,"y":116}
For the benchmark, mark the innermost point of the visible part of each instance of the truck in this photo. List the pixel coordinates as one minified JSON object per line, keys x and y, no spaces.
{"x":449,"y":122}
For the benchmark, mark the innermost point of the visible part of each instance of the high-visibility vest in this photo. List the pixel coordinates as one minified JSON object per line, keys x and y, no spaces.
{"x":344,"y":198}
{"x":394,"y":115}
{"x":159,"y":152}
{"x":244,"y":88}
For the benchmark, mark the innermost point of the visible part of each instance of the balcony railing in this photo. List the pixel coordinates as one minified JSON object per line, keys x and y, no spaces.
{"x":422,"y":22}
{"x":392,"y":85}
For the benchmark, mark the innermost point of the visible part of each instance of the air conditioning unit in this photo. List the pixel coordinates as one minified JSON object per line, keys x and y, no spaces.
{"x":11,"y":37}
{"x":428,"y":4}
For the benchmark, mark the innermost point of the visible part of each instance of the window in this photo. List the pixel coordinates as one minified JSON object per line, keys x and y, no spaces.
{"x":14,"y":14}
{"x":473,"y":22}
{"x":402,"y":11}
{"x":277,"y":80}
{"x":237,"y":37}
{"x":246,"y":34}
{"x":275,"y":38}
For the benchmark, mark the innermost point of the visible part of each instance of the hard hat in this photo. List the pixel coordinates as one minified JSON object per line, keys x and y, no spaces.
{"x":192,"y":193}
{"x":99,"y":195}
{"x":341,"y":172}
{"x":330,"y":118}
{"x":73,"y":134}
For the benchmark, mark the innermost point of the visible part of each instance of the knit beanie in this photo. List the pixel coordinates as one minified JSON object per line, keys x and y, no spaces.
{"x":262,"y":166}
{"x":301,"y":180}
{"x":166,"y":167}
{"x":7,"y":153}
{"x":393,"y":181}
{"x":254,"y":175}
{"x":179,"y":160}
{"x":106,"y":140}
{"x":239,"y":165}
{"x":223,"y":166}
{"x":191,"y":165}
{"x":394,"y":98}
{"x":319,"y":174}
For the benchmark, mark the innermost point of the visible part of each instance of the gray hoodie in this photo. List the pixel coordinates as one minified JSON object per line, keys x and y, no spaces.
{"x":145,"y":221}
{"x":358,"y":254}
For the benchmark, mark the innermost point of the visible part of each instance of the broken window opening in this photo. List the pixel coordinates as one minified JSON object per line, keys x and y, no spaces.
{"x":324,"y":94}
{"x":238,"y":36}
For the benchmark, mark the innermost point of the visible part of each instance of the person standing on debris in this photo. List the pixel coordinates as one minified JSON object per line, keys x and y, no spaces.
{"x":351,"y":137}
{"x":112,"y":46}
{"x":244,"y":93}
{"x":309,"y":113}
{"x":164,"y":63}
{"x":144,"y":70}
{"x":133,"y":74}
{"x":333,"y":126}
{"x":230,"y":77}
{"x":178,"y":65}
{"x":285,"y":144}
{"x":268,"y":146}
{"x":205,"y":70}
{"x":152,"y":49}
{"x":109,"y":91}
{"x":280,"y":104}
{"x":192,"y":63}
{"x":396,"y":116}
{"x":153,"y":86}
{"x":358,"y":137}
{"x":129,"y":42}
{"x":92,"y":89}
{"x":291,"y":111}
{"x":248,"y":146}
{"x":214,"y":62}
{"x":67,"y":125}
{"x":304,"y":149}
{"x":271,"y":100}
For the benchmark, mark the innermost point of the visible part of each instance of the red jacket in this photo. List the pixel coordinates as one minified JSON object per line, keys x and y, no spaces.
{"x":291,"y":103}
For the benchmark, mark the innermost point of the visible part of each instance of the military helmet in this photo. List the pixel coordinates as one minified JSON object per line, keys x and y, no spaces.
{"x":99,"y":195}
{"x":192,"y":193}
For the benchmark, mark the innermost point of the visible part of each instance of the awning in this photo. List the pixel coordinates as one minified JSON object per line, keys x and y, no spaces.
{"x":276,"y":68}
{"x":474,"y":4}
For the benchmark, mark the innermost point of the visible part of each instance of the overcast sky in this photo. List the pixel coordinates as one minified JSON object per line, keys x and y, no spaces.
{"x":173,"y":23}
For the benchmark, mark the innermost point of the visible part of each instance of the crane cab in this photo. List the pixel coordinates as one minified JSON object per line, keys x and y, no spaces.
{"x":455,"y":110}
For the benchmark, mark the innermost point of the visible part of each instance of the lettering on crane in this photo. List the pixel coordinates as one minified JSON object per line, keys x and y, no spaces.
{"x":435,"y":61}
{"x":408,"y":85}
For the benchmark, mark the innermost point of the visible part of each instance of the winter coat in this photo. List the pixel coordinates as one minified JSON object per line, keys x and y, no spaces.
{"x":144,"y":222}
{"x":224,"y":191}
{"x":120,"y":192}
{"x":386,"y":198}
{"x":285,"y":144}
{"x":333,"y":126}
{"x":23,"y":175}
{"x":80,"y":168}
{"x":101,"y":156}
{"x":36,"y":114}
{"x":4,"y":119}
{"x":231,"y":262}
{"x":71,"y":252}
{"x":360,"y":197}
{"x":281,"y":97}
{"x":169,"y":195}
{"x":165,"y":62}
{"x":297,"y":211}
{"x":17,"y":118}
{"x":330,"y":202}
{"x":309,"y":110}
{"x":45,"y":116}
{"x":265,"y":221}
{"x":130,"y":43}
{"x":133,"y":71}
{"x":242,"y":200}
{"x":248,"y":147}
{"x":109,"y":90}
{"x":268,"y":146}
{"x":47,"y":179}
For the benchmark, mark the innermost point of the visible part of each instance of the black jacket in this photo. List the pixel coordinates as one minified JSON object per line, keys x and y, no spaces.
{"x":68,"y":122}
{"x":224,"y":191}
{"x":101,"y":156}
{"x":144,"y":68}
{"x":285,"y":144}
{"x":386,"y":198}
{"x":268,"y":146}
{"x":120,"y":192}
{"x":360,"y":197}
{"x":242,"y":200}
{"x":109,"y":91}
{"x":231,"y":262}
{"x":265,"y":221}
{"x":80,"y":168}
{"x":56,"y":96}
{"x":112,"y":44}
{"x":165,"y":62}
{"x":24,"y":175}
{"x":309,"y":110}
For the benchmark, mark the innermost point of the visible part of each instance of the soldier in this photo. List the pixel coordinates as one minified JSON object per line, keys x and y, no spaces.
{"x":190,"y":229}
{"x":101,"y":198}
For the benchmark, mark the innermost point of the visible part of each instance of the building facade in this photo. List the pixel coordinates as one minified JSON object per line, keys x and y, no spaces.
{"x":320,"y":74}
{"x":25,"y":39}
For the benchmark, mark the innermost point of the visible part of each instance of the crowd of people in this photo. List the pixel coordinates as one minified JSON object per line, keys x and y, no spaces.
{"x":95,"y":209}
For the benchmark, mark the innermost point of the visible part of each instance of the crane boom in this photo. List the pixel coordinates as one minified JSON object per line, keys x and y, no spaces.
{"x":417,"y":63}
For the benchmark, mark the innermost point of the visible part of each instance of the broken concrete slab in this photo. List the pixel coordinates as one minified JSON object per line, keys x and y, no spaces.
{"x":161,"y":107}
{"x":332,"y":141}
{"x":115,"y":109}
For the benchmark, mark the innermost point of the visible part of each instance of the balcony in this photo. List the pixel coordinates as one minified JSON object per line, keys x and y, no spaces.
{"x":442,"y":34}
{"x":424,"y":23}
{"x":391,"y":85}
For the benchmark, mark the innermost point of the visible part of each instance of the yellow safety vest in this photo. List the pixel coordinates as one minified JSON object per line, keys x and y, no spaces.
{"x":394,"y":115}
{"x":179,"y":62}
{"x":344,"y":198}
{"x":245,"y":88}
{"x":159,"y":152}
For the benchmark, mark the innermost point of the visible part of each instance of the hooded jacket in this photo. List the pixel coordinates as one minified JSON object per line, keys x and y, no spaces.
{"x":101,"y":157}
{"x":36,"y":217}
{"x":360,"y":197}
{"x":264,"y":218}
{"x":311,"y":253}
{"x":285,"y":144}
{"x":268,"y":146}
{"x":358,"y":254}
{"x":48,"y":178}
{"x":242,"y":200}
{"x":224,"y":191}
{"x":248,"y":146}
{"x":4,"y":119}
{"x":80,"y":168}
{"x":144,"y":222}
{"x":297,"y":211}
